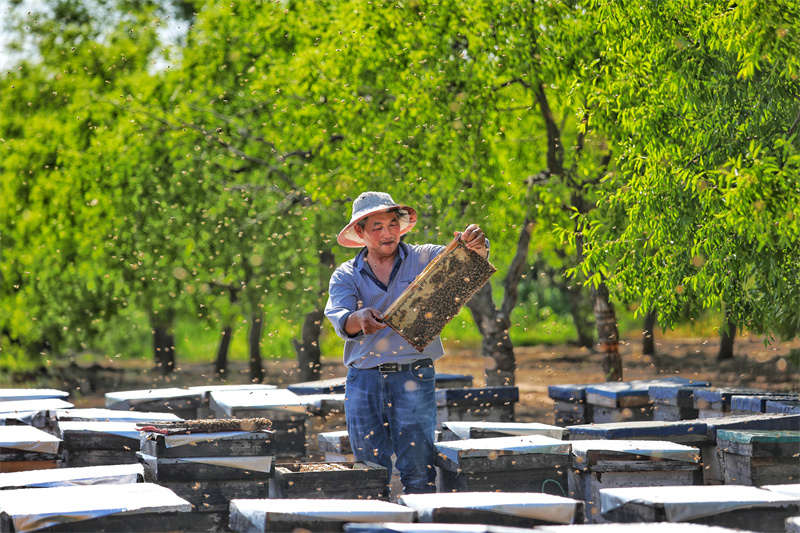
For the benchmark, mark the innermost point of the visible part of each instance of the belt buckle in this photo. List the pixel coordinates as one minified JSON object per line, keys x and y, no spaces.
{"x":388,"y":367}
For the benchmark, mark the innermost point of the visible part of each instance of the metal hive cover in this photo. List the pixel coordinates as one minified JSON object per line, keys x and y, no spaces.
{"x":436,"y":296}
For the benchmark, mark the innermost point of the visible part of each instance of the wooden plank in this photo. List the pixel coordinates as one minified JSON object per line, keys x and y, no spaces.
{"x":437,"y":294}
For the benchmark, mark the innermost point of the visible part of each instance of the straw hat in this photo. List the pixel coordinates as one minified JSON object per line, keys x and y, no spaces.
{"x":369,"y":203}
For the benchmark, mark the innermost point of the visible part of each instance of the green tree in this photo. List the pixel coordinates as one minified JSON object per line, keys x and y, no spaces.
{"x":701,"y":100}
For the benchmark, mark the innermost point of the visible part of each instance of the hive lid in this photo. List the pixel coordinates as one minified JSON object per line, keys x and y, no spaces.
{"x":546,"y":507}
{"x":436,"y":296}
{"x":692,"y":502}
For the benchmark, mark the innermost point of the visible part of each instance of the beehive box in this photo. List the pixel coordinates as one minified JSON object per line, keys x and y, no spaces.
{"x":287,"y":411}
{"x":783,"y":406}
{"x":210,"y":462}
{"x":712,"y":467}
{"x":437,"y":294}
{"x":90,"y":443}
{"x":28,"y":448}
{"x":129,"y":507}
{"x":674,"y":403}
{"x":715,"y":402}
{"x":516,"y":510}
{"x":757,"y":403}
{"x":260,"y":516}
{"x":488,"y":404}
{"x":690,"y":432}
{"x":511,"y":464}
{"x":569,"y":403}
{"x":751,"y":457}
{"x":601,"y":464}
{"x":733,"y":506}
{"x":620,"y":401}
{"x":359,"y":481}
{"x":110,"y":415}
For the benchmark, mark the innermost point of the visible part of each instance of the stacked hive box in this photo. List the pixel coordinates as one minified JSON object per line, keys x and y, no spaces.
{"x":757,"y":403}
{"x":700,"y":433}
{"x":569,"y":402}
{"x":510,"y":464}
{"x":90,"y":443}
{"x":210,"y":462}
{"x":183,"y":403}
{"x":287,"y":411}
{"x":715,"y":402}
{"x":621,"y":401}
{"x":750,"y":457}
{"x":600,"y":464}
{"x":490,"y":404}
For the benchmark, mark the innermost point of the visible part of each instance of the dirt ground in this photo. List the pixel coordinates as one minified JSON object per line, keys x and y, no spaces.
{"x":771,"y":367}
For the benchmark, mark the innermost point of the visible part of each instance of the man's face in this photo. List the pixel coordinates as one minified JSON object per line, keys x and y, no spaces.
{"x":381,"y":233}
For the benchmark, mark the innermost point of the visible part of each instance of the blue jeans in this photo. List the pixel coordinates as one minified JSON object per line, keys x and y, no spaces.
{"x":394,"y":413}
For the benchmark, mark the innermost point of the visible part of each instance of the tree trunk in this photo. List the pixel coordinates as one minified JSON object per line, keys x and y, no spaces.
{"x":254,"y":342}
{"x":498,"y":351}
{"x":221,"y":362}
{"x":579,"y":310}
{"x":307,"y":349}
{"x":607,"y":333}
{"x":649,"y":342}
{"x":164,"y":348}
{"x":727,"y":338}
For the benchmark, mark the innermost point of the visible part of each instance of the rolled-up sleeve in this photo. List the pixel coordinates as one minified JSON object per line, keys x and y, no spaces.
{"x":342,"y":302}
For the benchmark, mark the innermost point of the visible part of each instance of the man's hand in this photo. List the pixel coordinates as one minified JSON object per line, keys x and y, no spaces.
{"x":365,"y":320}
{"x":474,"y":239}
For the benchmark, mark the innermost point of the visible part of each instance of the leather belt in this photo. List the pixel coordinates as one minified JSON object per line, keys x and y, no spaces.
{"x":401,"y":367}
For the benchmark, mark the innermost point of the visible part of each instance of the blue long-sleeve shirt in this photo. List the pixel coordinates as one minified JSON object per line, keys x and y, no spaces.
{"x":353,"y":286}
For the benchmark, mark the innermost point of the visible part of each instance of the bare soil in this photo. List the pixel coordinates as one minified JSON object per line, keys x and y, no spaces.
{"x":771,"y":367}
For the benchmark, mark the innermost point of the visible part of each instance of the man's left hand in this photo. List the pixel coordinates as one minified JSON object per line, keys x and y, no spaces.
{"x":474,"y":239}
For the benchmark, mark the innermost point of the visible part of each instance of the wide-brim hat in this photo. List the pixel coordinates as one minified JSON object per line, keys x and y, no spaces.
{"x":369,"y":203}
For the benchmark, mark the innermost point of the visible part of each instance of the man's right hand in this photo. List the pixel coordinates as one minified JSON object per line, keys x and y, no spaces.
{"x":365,"y":320}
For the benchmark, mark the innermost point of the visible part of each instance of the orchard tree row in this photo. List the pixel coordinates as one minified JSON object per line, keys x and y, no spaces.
{"x":195,"y":159}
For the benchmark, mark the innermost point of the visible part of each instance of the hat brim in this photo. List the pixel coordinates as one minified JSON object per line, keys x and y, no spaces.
{"x":350,"y":239}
